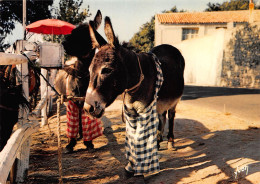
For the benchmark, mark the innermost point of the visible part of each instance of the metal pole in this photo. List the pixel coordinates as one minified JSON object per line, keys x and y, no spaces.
{"x":24,"y":18}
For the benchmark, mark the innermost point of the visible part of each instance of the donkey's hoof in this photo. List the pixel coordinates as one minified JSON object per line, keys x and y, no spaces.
{"x":68,"y":150}
{"x":139,"y":179}
{"x":136,"y":180}
{"x":128,"y":174}
{"x":171,"y":146}
{"x":70,"y":146}
{"x":90,"y":150}
{"x":89,"y":146}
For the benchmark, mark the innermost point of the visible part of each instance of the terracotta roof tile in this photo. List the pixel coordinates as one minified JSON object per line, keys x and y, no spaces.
{"x":207,"y":17}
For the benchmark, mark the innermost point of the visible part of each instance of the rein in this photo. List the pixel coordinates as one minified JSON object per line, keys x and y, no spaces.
{"x":39,"y":73}
{"x":135,"y":87}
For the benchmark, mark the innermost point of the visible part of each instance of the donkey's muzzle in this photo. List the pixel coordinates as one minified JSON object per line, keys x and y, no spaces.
{"x":94,"y":110}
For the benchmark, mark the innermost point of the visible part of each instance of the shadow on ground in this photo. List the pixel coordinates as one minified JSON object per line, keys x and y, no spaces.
{"x":194,"y":92}
{"x":202,"y":149}
{"x":199,"y":149}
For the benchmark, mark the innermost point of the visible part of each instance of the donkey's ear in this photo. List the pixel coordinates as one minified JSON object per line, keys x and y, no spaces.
{"x":109,"y":32}
{"x":97,"y":20}
{"x":94,"y":41}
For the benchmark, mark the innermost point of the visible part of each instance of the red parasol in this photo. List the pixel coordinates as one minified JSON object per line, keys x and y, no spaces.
{"x":50,"y":26}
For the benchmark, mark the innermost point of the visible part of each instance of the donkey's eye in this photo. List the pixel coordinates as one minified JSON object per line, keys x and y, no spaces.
{"x":106,"y":71}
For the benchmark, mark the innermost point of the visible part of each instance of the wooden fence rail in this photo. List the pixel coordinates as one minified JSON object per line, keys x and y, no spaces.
{"x":15,"y":59}
{"x":13,"y":146}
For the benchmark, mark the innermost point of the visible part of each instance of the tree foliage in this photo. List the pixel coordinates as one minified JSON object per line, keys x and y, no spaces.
{"x":229,"y":6}
{"x":144,"y":39}
{"x":173,"y":10}
{"x":69,"y":11}
{"x":213,"y":7}
{"x":12,"y":12}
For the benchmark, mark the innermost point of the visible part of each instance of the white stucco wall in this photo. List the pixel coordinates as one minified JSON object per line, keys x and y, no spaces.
{"x":210,"y":28}
{"x":203,"y":58}
{"x":172,"y":34}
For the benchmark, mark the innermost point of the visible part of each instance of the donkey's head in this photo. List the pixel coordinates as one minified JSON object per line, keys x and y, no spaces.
{"x":107,"y":73}
{"x":73,"y":79}
{"x":78,"y":43}
{"x":77,"y":78}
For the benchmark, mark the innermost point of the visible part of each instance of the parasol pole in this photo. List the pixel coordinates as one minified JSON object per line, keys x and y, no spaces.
{"x":24,"y":18}
{"x":52,"y":34}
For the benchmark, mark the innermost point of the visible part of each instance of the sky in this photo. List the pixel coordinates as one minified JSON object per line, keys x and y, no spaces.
{"x":127,"y":16}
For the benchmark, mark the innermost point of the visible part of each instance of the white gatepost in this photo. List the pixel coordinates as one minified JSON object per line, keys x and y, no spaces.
{"x":23,"y":156}
{"x":51,"y":92}
{"x":44,"y":89}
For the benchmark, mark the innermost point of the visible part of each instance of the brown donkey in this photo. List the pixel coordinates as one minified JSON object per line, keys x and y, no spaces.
{"x":115,"y":70}
{"x":73,"y":80}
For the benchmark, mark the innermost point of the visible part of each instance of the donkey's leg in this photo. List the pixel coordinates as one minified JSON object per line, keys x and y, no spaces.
{"x":170,"y":136}
{"x":34,"y":100}
{"x":72,"y":126}
{"x":162,"y":122}
{"x":80,"y":125}
{"x":88,"y":130}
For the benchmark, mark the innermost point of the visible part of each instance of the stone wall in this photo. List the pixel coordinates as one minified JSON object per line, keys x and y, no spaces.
{"x":241,"y":57}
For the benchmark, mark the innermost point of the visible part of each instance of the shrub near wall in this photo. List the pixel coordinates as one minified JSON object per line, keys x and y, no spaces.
{"x":241,"y":60}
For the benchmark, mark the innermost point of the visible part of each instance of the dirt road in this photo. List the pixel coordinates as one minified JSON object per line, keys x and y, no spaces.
{"x":241,"y":102}
{"x":212,"y":147}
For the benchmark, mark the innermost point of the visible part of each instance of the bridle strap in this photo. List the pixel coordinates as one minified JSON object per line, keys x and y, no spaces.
{"x":67,"y":85}
{"x":135,"y":87}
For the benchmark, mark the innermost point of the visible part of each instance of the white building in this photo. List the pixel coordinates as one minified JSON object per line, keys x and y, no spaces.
{"x":202,"y":38}
{"x":173,"y":28}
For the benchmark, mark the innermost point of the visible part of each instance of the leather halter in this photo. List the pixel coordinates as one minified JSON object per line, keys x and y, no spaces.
{"x":135,"y":87}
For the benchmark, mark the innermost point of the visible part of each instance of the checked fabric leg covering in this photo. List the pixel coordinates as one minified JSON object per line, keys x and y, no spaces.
{"x":92,"y":128}
{"x":72,"y":120}
{"x":141,"y":134}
